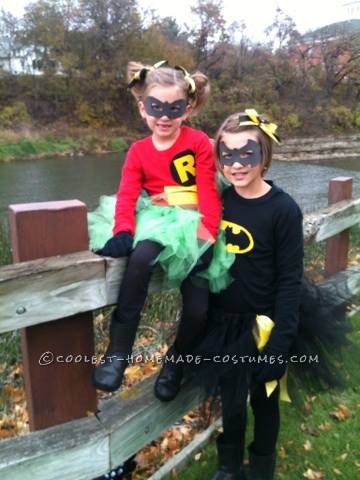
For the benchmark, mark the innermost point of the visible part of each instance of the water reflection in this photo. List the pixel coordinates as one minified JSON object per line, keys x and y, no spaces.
{"x":88,"y":177}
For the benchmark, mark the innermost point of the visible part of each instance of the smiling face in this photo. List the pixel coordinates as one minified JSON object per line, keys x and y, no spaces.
{"x":165,"y":130}
{"x":246,"y":179}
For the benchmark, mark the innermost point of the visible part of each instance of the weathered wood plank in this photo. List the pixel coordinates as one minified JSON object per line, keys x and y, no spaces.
{"x":37,"y":291}
{"x":115,"y":268}
{"x":343,"y":285}
{"x":331,"y":220}
{"x":138,"y":418}
{"x":77,"y":450}
{"x":85,"y":448}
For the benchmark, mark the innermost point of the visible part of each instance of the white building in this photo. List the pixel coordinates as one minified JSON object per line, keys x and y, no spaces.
{"x":351,"y":10}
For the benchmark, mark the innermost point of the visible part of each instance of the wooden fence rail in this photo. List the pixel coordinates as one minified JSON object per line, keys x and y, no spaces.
{"x":57,"y":293}
{"x":38,"y":291}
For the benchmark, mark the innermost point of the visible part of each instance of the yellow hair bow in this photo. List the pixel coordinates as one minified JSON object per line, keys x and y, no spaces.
{"x":188,"y":79}
{"x":251,"y":117}
{"x":140,"y":75}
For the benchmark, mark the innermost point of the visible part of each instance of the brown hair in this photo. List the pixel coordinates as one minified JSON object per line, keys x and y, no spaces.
{"x":168,"y":76}
{"x":231,"y":125}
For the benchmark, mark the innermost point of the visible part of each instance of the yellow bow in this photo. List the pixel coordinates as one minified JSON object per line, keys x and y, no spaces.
{"x":188,"y":79}
{"x":140,"y":75}
{"x":253,"y":119}
{"x":261,"y":332}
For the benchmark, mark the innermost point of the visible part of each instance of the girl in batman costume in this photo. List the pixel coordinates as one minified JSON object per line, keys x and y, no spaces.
{"x":270,"y":315}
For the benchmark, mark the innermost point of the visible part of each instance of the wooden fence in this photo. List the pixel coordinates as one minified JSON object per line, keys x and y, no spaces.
{"x":50,"y":294}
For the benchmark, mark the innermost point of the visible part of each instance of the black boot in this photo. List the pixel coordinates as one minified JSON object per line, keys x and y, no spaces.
{"x":167,"y":384}
{"x":108,"y":375}
{"x":230,"y":457}
{"x":261,"y":467}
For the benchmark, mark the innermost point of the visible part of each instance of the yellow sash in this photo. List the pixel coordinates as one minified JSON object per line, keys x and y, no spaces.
{"x":178,"y":195}
{"x":261,"y":332}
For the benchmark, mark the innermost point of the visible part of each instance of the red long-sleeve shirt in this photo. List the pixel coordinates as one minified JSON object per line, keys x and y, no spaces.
{"x":190,"y":161}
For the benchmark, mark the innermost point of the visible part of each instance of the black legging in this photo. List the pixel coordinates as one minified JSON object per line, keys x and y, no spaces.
{"x":266,"y":414}
{"x":134,"y":289}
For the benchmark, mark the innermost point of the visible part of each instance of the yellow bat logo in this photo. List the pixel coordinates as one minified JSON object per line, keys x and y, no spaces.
{"x":237,"y":230}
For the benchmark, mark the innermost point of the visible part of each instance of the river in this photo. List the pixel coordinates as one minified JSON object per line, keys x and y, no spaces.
{"x":88,"y":177}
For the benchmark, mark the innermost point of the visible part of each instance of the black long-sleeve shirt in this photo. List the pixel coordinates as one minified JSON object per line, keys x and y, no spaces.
{"x":266,"y":234}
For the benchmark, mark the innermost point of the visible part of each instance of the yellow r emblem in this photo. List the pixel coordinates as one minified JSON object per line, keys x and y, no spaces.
{"x":185,"y":167}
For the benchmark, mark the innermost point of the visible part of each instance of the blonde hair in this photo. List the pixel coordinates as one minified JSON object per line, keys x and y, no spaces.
{"x":231,"y":125}
{"x":167,"y":76}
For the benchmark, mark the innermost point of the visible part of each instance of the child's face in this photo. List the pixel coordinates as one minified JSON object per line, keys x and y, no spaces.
{"x":243,"y":177}
{"x":164,"y":129}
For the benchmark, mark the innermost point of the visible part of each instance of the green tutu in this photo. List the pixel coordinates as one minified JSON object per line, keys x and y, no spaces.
{"x":173,"y":227}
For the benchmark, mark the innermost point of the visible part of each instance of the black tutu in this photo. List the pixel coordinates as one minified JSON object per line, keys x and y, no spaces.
{"x":229,"y":348}
{"x":323,"y":333}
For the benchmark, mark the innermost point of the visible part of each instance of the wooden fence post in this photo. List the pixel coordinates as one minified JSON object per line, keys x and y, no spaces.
{"x":60,"y":391}
{"x":336,"y":255}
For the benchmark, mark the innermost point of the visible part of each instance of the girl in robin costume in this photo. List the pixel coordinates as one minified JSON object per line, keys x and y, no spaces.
{"x":173,"y":225}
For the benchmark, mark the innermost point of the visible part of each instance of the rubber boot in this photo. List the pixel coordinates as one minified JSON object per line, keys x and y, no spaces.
{"x":230,"y":457}
{"x":108,"y":375}
{"x":261,"y":467}
{"x":168,"y":383}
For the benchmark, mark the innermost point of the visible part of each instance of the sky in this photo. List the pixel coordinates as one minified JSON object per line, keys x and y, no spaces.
{"x":307,"y":14}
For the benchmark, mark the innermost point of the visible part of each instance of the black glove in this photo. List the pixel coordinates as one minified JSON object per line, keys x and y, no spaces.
{"x":271,"y":363}
{"x":120,"y":245}
{"x":204,"y":261}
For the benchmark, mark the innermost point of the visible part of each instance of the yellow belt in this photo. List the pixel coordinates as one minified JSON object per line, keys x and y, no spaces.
{"x":177,"y":196}
{"x":261,"y":332}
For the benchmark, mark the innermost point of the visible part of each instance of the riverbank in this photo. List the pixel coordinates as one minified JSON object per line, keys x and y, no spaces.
{"x":63,"y":140}
{"x":319,"y":148}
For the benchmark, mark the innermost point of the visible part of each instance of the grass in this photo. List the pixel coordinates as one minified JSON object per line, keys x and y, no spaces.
{"x":318,"y":436}
{"x":36,"y":146}
{"x":5,"y":254}
{"x":59,"y":141}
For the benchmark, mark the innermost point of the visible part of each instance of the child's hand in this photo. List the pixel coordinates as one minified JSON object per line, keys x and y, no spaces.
{"x":120,"y":245}
{"x":271,"y":364}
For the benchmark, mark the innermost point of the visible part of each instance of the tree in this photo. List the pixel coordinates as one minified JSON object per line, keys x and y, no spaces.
{"x":340,"y":59}
{"x":9,"y":45}
{"x":210,"y":34}
{"x":282,"y":34}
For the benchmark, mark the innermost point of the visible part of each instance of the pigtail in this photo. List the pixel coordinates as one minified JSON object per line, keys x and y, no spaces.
{"x":202,"y":92}
{"x":137,"y":87}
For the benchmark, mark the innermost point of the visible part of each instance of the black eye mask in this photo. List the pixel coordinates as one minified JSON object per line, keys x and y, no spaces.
{"x":156,"y":108}
{"x":249,"y":154}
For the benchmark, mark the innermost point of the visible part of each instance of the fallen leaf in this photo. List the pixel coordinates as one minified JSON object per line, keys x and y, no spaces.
{"x":282,"y":452}
{"x":341,"y":413}
{"x":307,"y":446}
{"x":197,"y":457}
{"x":306,"y":407}
{"x":343,"y":456}
{"x":313,"y":474}
{"x":325,"y":426}
{"x":337,"y":471}
{"x":310,"y":429}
